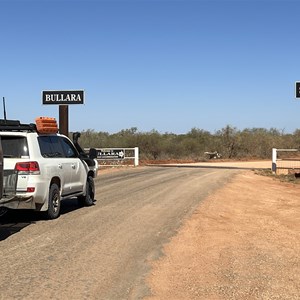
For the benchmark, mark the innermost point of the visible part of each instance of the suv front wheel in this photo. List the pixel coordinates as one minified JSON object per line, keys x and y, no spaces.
{"x":88,"y":199}
{"x":53,"y":211}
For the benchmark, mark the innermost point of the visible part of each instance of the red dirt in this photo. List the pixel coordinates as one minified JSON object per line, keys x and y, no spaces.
{"x":243,"y":242}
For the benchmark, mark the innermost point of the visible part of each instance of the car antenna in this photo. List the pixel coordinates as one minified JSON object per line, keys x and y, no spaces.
{"x":4,"y":110}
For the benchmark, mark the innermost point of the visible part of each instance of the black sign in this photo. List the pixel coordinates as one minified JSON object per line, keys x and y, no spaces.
{"x":63,"y":97}
{"x":111,"y":154}
{"x":298,"y":89}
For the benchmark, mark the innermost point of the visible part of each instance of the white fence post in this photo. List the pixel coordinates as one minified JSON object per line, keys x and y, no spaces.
{"x":274,"y":160}
{"x":136,"y":156}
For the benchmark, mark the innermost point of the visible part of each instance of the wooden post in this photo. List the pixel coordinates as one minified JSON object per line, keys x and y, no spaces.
{"x":136,"y":156}
{"x":274,"y":160}
{"x":64,"y":119}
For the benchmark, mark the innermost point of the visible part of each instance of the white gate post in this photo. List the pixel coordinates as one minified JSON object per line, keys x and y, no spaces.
{"x":136,"y":156}
{"x":274,"y":159}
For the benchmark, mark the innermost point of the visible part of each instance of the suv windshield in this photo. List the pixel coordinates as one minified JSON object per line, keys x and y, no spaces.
{"x":14,"y":146}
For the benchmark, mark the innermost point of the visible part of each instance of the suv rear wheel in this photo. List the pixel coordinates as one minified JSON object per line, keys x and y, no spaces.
{"x":88,"y":199}
{"x":53,"y":211}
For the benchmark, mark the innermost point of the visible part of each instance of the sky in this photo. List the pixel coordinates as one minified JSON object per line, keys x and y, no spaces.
{"x":164,"y":65}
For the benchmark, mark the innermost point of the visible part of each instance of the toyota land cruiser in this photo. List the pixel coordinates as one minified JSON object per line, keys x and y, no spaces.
{"x":42,"y":167}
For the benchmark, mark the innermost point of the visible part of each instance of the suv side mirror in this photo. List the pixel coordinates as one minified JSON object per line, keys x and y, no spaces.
{"x":93,"y":153}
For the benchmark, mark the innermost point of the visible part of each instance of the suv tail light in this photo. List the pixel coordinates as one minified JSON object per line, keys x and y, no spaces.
{"x":28,"y":168}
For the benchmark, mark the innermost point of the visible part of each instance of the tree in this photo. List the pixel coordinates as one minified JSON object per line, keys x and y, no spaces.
{"x":228,"y":137}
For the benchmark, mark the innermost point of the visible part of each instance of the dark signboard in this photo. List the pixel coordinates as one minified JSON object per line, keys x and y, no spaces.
{"x":111,"y":154}
{"x":298,"y":89}
{"x":63,"y":97}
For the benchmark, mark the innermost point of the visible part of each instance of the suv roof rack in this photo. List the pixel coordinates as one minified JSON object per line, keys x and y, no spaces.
{"x":15,"y":125}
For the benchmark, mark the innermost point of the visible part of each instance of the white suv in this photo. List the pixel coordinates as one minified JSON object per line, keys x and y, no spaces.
{"x":41,"y":169}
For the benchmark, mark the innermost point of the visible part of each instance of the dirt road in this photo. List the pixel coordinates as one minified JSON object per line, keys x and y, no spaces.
{"x":104,"y":251}
{"x":243,"y":242}
{"x":161,"y":233}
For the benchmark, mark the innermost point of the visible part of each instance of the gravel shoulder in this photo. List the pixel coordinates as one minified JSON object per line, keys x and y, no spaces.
{"x":243,"y":242}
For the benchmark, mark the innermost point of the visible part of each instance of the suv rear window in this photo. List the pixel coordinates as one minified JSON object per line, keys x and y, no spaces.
{"x":14,"y":146}
{"x":56,"y":146}
{"x":50,"y":146}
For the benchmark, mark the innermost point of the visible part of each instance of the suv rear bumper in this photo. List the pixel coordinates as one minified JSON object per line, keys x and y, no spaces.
{"x":18,"y":202}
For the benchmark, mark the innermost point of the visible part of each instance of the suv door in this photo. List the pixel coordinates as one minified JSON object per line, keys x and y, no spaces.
{"x":78,"y":170}
{"x":53,"y":152}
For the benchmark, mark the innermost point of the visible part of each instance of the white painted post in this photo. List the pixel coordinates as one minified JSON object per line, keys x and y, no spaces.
{"x":136,"y":156}
{"x":274,"y":160}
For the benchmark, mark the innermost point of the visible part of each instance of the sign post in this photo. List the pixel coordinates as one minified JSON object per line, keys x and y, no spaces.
{"x":64,"y":119}
{"x":63,"y":99}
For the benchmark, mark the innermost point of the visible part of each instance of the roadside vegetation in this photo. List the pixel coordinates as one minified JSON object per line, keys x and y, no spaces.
{"x":231,"y":143}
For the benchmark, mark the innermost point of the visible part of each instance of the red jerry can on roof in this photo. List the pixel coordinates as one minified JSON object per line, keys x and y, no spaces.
{"x":46,"y":125}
